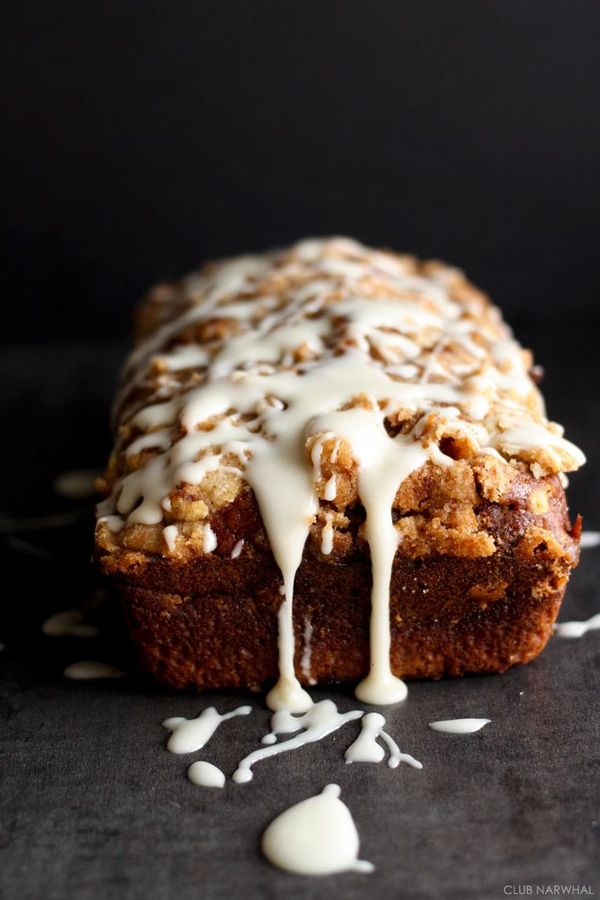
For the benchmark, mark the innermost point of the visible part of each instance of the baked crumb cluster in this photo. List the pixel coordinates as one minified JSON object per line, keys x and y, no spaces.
{"x":220,"y":366}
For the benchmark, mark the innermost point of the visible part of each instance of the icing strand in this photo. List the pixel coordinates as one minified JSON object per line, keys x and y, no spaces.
{"x":321,"y":720}
{"x":366,"y":749}
{"x":205,"y":774}
{"x":577,"y":629}
{"x":307,"y":652}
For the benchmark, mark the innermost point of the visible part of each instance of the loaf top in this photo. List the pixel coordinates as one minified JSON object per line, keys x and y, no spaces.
{"x":305,"y":372}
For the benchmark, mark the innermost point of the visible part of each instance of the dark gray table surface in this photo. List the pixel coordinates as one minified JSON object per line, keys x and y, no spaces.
{"x":94,"y":807}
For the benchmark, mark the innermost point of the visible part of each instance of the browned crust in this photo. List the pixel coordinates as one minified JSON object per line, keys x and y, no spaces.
{"x":211,"y":622}
{"x":448,"y":618}
{"x":468,"y":510}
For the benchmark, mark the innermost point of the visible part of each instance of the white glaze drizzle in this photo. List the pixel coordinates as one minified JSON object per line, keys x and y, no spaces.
{"x":68,"y":623}
{"x":279,"y":403}
{"x":206,"y":774}
{"x":170,"y":535}
{"x":115,"y":524}
{"x":590,"y":539}
{"x":90,"y":669}
{"x":188,"y":735}
{"x":315,"y":837}
{"x":319,"y":721}
{"x":327,"y":535}
{"x":306,"y":658}
{"x":330,"y":491}
{"x":210,"y":539}
{"x":237,"y":549}
{"x":577,"y":629}
{"x":459,"y":726}
{"x":366,"y":749}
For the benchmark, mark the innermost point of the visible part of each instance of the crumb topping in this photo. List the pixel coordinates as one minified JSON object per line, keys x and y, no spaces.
{"x":324,"y":341}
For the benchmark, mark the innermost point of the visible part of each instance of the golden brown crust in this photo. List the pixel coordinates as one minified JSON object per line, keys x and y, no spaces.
{"x":448,"y":617}
{"x":452,"y":511}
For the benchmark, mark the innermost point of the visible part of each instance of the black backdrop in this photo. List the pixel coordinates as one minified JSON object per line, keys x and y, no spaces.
{"x":141,"y":137}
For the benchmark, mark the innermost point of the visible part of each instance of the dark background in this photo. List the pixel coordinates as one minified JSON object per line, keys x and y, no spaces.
{"x":141,"y":137}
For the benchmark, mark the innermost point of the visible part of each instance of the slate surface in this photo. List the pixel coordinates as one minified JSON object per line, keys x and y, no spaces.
{"x":93,"y":806}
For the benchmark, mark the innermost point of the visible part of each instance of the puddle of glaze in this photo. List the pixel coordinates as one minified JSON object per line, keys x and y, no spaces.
{"x":315,"y":837}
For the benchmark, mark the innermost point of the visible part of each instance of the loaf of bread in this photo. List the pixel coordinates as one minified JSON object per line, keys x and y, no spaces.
{"x":332,"y":464}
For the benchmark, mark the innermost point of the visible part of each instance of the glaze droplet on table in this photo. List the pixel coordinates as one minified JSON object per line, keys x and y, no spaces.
{"x":188,"y":735}
{"x":90,"y":669}
{"x":68,"y":623}
{"x":459,"y":726}
{"x":321,"y":719}
{"x":315,"y":837}
{"x":206,"y":774}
